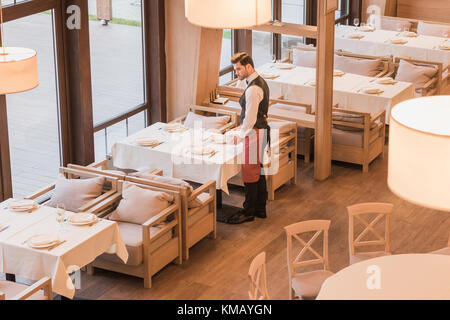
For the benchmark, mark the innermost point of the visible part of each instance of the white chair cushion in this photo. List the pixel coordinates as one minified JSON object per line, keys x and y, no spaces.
{"x":432,"y":29}
{"x":361,"y":256}
{"x":308,"y":284}
{"x":75,"y":193}
{"x":364,"y":67}
{"x":138,"y":205}
{"x":417,"y":75}
{"x":206,"y":122}
{"x":304,"y":58}
{"x":353,"y":138}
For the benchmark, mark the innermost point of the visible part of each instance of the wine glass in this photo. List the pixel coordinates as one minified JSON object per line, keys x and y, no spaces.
{"x":356,"y":23}
{"x":60,"y":214}
{"x":445,"y":35}
{"x":399,"y":28}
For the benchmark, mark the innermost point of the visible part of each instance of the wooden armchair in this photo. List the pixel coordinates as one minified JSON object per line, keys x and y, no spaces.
{"x":109,"y":187}
{"x":151,"y":245}
{"x":307,"y":284}
{"x":205,"y":111}
{"x":385,"y":68}
{"x":382,"y":210}
{"x":445,"y":250}
{"x":433,"y":86}
{"x":357,"y":137}
{"x":40,"y":290}
{"x":198,"y":210}
{"x":257,"y":278}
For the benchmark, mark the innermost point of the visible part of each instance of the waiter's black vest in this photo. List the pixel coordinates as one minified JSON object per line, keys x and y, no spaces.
{"x":261,"y":120}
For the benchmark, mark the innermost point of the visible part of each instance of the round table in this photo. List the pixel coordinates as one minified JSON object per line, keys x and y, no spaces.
{"x":402,"y":276}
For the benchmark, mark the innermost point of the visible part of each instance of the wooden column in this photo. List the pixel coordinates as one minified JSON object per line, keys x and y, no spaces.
{"x":5,"y":162}
{"x":324,"y":91}
{"x":155,"y":66}
{"x":208,"y":63}
{"x":77,"y":70}
{"x":243,"y":41}
{"x":355,"y":10}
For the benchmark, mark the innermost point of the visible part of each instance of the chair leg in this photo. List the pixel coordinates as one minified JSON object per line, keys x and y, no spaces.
{"x":147,"y":280}
{"x":365,"y":167}
{"x":90,"y":270}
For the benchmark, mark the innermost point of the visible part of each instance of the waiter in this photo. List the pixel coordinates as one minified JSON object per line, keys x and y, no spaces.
{"x":254,"y":133}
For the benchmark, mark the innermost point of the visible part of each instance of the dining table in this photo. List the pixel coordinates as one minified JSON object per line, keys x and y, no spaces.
{"x":392,"y":277}
{"x":175,"y":156}
{"x":77,"y":245}
{"x":296,"y":83}
{"x":378,"y":43}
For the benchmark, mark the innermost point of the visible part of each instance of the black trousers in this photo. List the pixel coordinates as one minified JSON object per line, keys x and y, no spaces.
{"x":255,"y":196}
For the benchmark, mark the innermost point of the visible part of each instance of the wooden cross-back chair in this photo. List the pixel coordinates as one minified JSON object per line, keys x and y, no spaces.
{"x":434,"y":85}
{"x":205,"y":111}
{"x":355,"y":212}
{"x":40,"y":290}
{"x":109,"y":188}
{"x":258,"y":278}
{"x":151,"y":245}
{"x":307,"y":284}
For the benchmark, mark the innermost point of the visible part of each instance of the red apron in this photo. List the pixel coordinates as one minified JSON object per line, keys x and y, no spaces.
{"x":251,"y":162}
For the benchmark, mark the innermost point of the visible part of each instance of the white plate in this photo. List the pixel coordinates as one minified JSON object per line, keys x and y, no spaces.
{"x":55,"y":241}
{"x":371,"y":90}
{"x":355,"y":36}
{"x":398,"y":41}
{"x":83,"y":223}
{"x":386,"y":81}
{"x":284,"y":66}
{"x":146,"y":142}
{"x":202,"y":151}
{"x":338,"y":73}
{"x":29,"y":205}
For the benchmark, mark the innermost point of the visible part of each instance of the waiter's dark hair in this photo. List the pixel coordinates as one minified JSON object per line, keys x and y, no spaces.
{"x":243,"y":58}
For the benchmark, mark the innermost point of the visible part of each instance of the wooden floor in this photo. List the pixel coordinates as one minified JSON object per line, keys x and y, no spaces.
{"x":218,"y":268}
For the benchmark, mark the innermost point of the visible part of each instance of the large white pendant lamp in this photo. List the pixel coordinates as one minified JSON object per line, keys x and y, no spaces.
{"x":18,"y":66}
{"x":419,"y":151}
{"x":228,"y":14}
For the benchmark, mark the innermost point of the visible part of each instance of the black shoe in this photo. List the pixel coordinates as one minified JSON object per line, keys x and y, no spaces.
{"x":240,"y":217}
{"x":261,"y":214}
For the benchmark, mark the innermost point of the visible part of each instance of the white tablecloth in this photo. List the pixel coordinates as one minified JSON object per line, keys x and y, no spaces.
{"x":293,"y":85}
{"x":378,"y":43}
{"x":83,"y":244}
{"x":174,"y":158}
{"x":404,"y":276}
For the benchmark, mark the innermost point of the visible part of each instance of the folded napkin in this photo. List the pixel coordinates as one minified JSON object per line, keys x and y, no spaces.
{"x":284,"y":66}
{"x":355,"y":36}
{"x":147,"y":141}
{"x":200,"y":150}
{"x":42,"y":240}
{"x":367,"y":29}
{"x":398,"y":41}
{"x":22,"y":204}
{"x":410,"y":34}
{"x":83,"y":217}
{"x":269,"y":75}
{"x":338,"y":73}
{"x":174,"y":127}
{"x":386,"y":80}
{"x":372,"y":90}
{"x":444,"y":46}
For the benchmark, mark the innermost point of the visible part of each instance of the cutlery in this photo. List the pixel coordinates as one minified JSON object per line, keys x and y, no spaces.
{"x":56,"y":245}
{"x":212,"y":154}
{"x":4,"y":228}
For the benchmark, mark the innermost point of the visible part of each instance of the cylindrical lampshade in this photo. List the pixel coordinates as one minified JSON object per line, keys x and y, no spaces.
{"x":419,"y":151}
{"x":18,"y":70}
{"x":228,"y":14}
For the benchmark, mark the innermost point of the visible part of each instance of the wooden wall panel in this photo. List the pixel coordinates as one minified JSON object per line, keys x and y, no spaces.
{"x":431,"y":10}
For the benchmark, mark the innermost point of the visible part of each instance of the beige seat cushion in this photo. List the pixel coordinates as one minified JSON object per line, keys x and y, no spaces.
{"x":354,"y":138}
{"x":138,"y":205}
{"x":11,"y":289}
{"x":364,"y":67}
{"x":432,"y":29}
{"x":393,"y":24}
{"x":285,"y":107}
{"x":206,"y":122}
{"x":132,"y":237}
{"x":417,"y":75}
{"x":172,"y":181}
{"x":75,"y":193}
{"x":361,"y":256}
{"x":308,"y":284}
{"x":445,"y":251}
{"x":304,"y":58}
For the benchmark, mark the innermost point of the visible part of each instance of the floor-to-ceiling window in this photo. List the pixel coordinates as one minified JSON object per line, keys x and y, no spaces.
{"x":292,"y":11}
{"x":117,"y":71}
{"x":33,"y":120}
